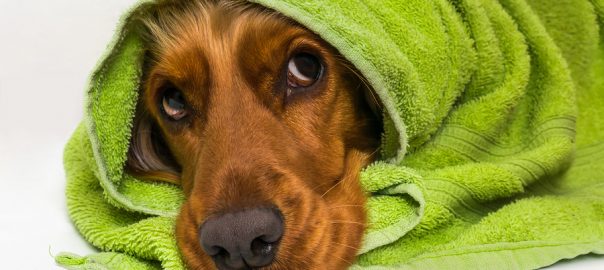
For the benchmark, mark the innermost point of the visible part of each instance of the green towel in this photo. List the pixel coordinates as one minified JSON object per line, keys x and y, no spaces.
{"x":493,"y":149}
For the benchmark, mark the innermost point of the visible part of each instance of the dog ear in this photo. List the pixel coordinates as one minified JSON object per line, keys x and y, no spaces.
{"x":149,"y":158}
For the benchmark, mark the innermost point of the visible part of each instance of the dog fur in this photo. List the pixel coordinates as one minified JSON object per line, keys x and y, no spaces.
{"x":249,"y":140}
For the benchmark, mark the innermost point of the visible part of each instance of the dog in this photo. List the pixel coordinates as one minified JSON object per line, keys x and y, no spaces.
{"x":265,"y":126}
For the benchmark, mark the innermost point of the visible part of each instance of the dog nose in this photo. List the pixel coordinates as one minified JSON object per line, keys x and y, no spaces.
{"x":241,"y":240}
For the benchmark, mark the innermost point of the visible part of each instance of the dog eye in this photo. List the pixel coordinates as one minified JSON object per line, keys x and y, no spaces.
{"x":303,"y":70}
{"x":173,"y":104}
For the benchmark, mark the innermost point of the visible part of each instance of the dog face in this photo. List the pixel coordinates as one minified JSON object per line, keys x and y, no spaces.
{"x":265,"y":126}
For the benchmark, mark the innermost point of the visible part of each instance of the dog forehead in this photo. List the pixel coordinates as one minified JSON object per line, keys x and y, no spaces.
{"x":222,"y":37}
{"x":223,"y":45}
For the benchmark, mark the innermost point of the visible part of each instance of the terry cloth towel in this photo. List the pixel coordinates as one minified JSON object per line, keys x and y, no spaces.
{"x":493,"y":150}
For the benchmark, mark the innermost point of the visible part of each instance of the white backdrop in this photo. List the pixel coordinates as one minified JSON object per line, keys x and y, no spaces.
{"x":47,"y":50}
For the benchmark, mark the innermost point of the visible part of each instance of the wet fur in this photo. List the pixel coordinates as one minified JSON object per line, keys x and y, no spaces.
{"x":245,"y":143}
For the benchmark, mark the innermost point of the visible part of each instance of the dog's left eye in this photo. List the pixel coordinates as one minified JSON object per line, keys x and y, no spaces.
{"x":303,"y":70}
{"x":173,"y":104}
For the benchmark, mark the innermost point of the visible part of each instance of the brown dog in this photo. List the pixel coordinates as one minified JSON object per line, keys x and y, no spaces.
{"x":265,"y":126}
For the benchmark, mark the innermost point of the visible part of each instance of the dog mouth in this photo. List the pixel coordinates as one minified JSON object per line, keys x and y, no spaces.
{"x":272,"y":217}
{"x":293,"y":233}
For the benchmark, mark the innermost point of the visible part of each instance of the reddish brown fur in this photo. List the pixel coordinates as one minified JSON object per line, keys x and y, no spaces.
{"x":246,"y":144}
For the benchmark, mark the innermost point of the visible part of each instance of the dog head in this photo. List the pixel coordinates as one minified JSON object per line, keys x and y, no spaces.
{"x":265,"y":126}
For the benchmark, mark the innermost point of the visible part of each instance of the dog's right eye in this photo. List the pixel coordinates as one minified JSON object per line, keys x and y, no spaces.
{"x":173,"y":104}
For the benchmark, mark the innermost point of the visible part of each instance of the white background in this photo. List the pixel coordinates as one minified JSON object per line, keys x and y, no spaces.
{"x":47,"y":50}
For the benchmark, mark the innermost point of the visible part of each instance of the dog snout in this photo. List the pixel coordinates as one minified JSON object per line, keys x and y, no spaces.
{"x":243,"y":239}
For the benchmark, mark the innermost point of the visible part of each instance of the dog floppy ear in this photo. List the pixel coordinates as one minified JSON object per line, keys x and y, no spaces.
{"x":149,"y":158}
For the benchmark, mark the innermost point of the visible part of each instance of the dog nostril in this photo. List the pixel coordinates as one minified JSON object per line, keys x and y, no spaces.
{"x":217,"y":251}
{"x":262,"y":248}
{"x":241,"y":240}
{"x":223,"y":258}
{"x":223,"y":253}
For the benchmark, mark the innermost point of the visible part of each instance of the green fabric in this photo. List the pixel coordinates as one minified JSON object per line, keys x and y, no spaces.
{"x":103,"y":261}
{"x":493,"y":145}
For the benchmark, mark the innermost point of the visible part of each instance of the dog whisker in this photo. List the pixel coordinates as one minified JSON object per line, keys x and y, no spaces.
{"x":318,"y":186}
{"x":344,"y":245}
{"x":364,"y":82}
{"x":347,"y":222}
{"x":342,"y":259}
{"x":374,"y":152}
{"x":333,"y":187}
{"x":346,"y":205}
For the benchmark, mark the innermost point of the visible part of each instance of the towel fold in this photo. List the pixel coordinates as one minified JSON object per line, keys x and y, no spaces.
{"x":493,"y":144}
